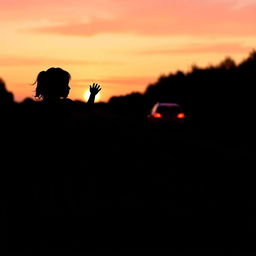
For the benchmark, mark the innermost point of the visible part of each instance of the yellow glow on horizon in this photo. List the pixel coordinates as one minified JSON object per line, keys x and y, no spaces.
{"x":87,"y":95}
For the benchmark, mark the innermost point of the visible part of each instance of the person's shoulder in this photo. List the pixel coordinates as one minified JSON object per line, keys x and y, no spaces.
{"x":63,"y":103}
{"x":67,"y":101}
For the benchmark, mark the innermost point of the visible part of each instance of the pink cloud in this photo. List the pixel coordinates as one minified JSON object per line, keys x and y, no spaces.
{"x":145,"y":17}
{"x":165,"y":20}
{"x":48,"y":10}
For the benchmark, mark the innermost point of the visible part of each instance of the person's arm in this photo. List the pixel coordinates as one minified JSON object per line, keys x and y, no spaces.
{"x":94,"y":89}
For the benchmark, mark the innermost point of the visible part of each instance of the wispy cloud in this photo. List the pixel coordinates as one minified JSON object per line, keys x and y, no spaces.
{"x":237,"y":4}
{"x":144,"y":17}
{"x":173,"y":28}
{"x":245,"y":3}
{"x":39,"y":10}
{"x":225,"y":48}
{"x":191,"y":20}
{"x":24,"y":61}
{"x":125,"y":81}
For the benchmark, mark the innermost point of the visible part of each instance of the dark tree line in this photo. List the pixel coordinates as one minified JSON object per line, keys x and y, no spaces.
{"x":219,"y":97}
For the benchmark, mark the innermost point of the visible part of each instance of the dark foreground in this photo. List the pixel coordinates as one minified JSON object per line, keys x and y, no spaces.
{"x":97,"y":182}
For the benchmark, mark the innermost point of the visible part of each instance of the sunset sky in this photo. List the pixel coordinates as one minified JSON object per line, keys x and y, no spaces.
{"x":124,"y":45}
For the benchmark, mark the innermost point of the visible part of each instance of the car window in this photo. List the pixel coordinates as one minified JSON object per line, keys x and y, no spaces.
{"x":168,"y":109}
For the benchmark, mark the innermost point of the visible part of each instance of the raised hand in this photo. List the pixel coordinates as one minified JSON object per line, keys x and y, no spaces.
{"x":94,"y":88}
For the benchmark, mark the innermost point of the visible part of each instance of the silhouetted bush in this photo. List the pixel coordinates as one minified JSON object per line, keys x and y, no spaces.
{"x":218,"y":99}
{"x":5,"y":96}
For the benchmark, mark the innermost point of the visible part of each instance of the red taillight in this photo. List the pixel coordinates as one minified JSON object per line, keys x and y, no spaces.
{"x":157,"y":115}
{"x":181,"y":115}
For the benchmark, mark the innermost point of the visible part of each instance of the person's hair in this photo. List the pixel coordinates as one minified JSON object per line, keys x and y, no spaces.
{"x":52,"y":83}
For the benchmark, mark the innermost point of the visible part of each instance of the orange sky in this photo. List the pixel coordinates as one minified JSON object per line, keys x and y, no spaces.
{"x":123,"y":45}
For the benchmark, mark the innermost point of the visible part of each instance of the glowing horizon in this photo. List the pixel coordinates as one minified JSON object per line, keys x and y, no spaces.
{"x":121,"y":45}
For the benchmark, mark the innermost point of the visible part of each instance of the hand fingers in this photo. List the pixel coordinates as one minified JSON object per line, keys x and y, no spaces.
{"x":95,"y":86}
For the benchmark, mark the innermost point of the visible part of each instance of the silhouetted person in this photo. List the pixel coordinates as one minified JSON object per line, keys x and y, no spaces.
{"x":53,"y":86}
{"x":5,"y":96}
{"x":55,"y":113}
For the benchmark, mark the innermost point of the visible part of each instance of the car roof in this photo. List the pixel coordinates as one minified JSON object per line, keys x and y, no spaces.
{"x":168,"y":104}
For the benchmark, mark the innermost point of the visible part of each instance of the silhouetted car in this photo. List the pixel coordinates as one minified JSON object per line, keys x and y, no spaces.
{"x":163,"y":112}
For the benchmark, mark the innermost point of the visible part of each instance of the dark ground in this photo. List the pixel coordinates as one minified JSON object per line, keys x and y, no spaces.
{"x":103,"y":182}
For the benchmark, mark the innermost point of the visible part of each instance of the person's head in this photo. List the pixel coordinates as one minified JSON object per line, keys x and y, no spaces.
{"x":52,"y":84}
